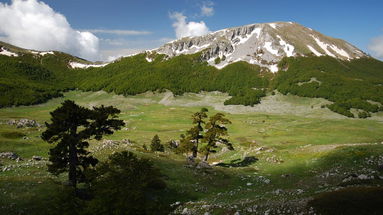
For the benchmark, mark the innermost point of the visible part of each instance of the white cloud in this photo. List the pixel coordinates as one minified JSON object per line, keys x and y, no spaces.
{"x":113,"y":54}
{"x":187,"y":29}
{"x":115,"y":48}
{"x":207,"y":9}
{"x":33,"y":24}
{"x":376,"y":47}
{"x":120,"y":32}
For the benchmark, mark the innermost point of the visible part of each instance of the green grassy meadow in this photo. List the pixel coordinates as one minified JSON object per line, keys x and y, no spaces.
{"x":300,"y":157}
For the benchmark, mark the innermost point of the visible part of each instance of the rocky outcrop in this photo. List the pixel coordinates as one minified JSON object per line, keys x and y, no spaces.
{"x":23,"y":123}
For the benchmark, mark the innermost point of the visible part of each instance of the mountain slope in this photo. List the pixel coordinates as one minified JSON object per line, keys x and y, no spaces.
{"x":241,"y":61}
{"x":262,"y":44}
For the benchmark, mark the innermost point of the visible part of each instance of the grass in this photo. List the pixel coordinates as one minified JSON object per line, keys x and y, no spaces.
{"x":299,"y":152}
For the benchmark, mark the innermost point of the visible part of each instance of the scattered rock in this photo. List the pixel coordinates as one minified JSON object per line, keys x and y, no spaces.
{"x":22,"y":123}
{"x":185,"y":211}
{"x":36,"y":158}
{"x":9,"y":155}
{"x":190,"y":161}
{"x":363,"y":177}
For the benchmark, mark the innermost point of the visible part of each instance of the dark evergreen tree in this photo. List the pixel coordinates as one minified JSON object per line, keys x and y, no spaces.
{"x":125,"y":184}
{"x":216,"y":132}
{"x":156,"y":144}
{"x":195,"y":133}
{"x":71,"y":127}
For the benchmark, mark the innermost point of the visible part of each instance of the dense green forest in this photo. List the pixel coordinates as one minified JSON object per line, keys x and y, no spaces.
{"x":185,"y":73}
{"x":357,"y":84}
{"x":349,"y":84}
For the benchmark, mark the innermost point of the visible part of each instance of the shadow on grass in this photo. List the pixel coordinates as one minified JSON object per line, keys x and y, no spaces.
{"x":247,"y":161}
{"x":355,"y":200}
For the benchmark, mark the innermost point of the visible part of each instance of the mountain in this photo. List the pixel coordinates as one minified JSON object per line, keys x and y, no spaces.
{"x":248,"y":63}
{"x":261,"y":44}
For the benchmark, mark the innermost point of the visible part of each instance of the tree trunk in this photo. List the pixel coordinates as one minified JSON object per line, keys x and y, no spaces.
{"x":73,"y":159}
{"x":206,"y":156}
{"x":195,"y":150}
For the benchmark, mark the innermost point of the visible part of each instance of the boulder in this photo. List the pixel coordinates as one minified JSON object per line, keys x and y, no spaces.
{"x":203,"y":165}
{"x":36,"y":158}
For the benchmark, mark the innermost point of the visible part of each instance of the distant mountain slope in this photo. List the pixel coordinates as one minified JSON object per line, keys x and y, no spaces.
{"x":262,"y":44}
{"x":247,"y":62}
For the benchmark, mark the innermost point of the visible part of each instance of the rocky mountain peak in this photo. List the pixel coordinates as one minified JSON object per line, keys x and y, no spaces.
{"x":262,"y":44}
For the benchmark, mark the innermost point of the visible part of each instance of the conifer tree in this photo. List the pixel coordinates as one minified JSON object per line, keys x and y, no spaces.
{"x":71,"y":127}
{"x":216,"y":132}
{"x":156,"y":144}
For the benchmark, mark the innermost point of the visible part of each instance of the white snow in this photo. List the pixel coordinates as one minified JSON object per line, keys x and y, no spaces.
{"x":273,"y":25}
{"x":340,"y":51}
{"x":7,"y":53}
{"x":314,"y":51}
{"x":75,"y":65}
{"x":149,"y":59}
{"x":323,"y":46}
{"x":270,"y":49}
{"x":273,"y":68}
{"x":289,"y":49}
{"x":44,"y":53}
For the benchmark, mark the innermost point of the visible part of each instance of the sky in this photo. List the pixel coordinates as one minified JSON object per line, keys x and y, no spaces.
{"x":104,"y":30}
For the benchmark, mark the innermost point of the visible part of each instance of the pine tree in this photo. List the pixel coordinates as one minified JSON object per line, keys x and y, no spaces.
{"x":71,"y":127}
{"x":216,"y":132}
{"x":156,"y":144}
{"x":195,"y":133}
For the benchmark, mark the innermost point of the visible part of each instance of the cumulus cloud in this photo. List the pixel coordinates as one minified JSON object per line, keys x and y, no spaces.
{"x":376,"y":47}
{"x":187,"y":29}
{"x":207,"y":9}
{"x":33,"y":24}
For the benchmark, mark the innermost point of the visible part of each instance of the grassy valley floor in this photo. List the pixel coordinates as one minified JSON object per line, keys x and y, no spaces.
{"x":302,"y":155}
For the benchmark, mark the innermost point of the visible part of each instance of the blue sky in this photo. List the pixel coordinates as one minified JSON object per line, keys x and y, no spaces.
{"x":125,"y":26}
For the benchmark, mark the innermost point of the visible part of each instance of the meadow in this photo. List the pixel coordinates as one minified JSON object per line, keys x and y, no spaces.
{"x":301,"y":154}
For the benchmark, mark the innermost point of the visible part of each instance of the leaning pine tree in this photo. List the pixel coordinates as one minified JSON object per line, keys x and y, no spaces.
{"x":71,"y":127}
{"x":216,"y":131}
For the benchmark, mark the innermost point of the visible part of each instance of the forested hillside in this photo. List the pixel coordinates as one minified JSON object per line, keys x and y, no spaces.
{"x":355,"y":87}
{"x":349,"y":84}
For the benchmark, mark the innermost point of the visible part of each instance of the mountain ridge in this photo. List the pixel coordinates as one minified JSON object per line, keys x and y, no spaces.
{"x":263,"y":44}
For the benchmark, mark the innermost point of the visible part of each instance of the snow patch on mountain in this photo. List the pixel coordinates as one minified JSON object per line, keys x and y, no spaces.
{"x":289,"y":49}
{"x":340,"y":51}
{"x":77,"y":65}
{"x":323,"y":46}
{"x":5,"y":52}
{"x":261,"y":44}
{"x":314,"y":51}
{"x":269,"y":48}
{"x":273,"y":25}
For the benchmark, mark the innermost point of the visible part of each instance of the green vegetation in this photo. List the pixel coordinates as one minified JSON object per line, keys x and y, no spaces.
{"x":355,"y":84}
{"x":125,"y":184}
{"x":71,"y":128}
{"x":349,"y":84}
{"x":294,"y":152}
{"x":181,"y":74}
{"x":156,"y":144}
